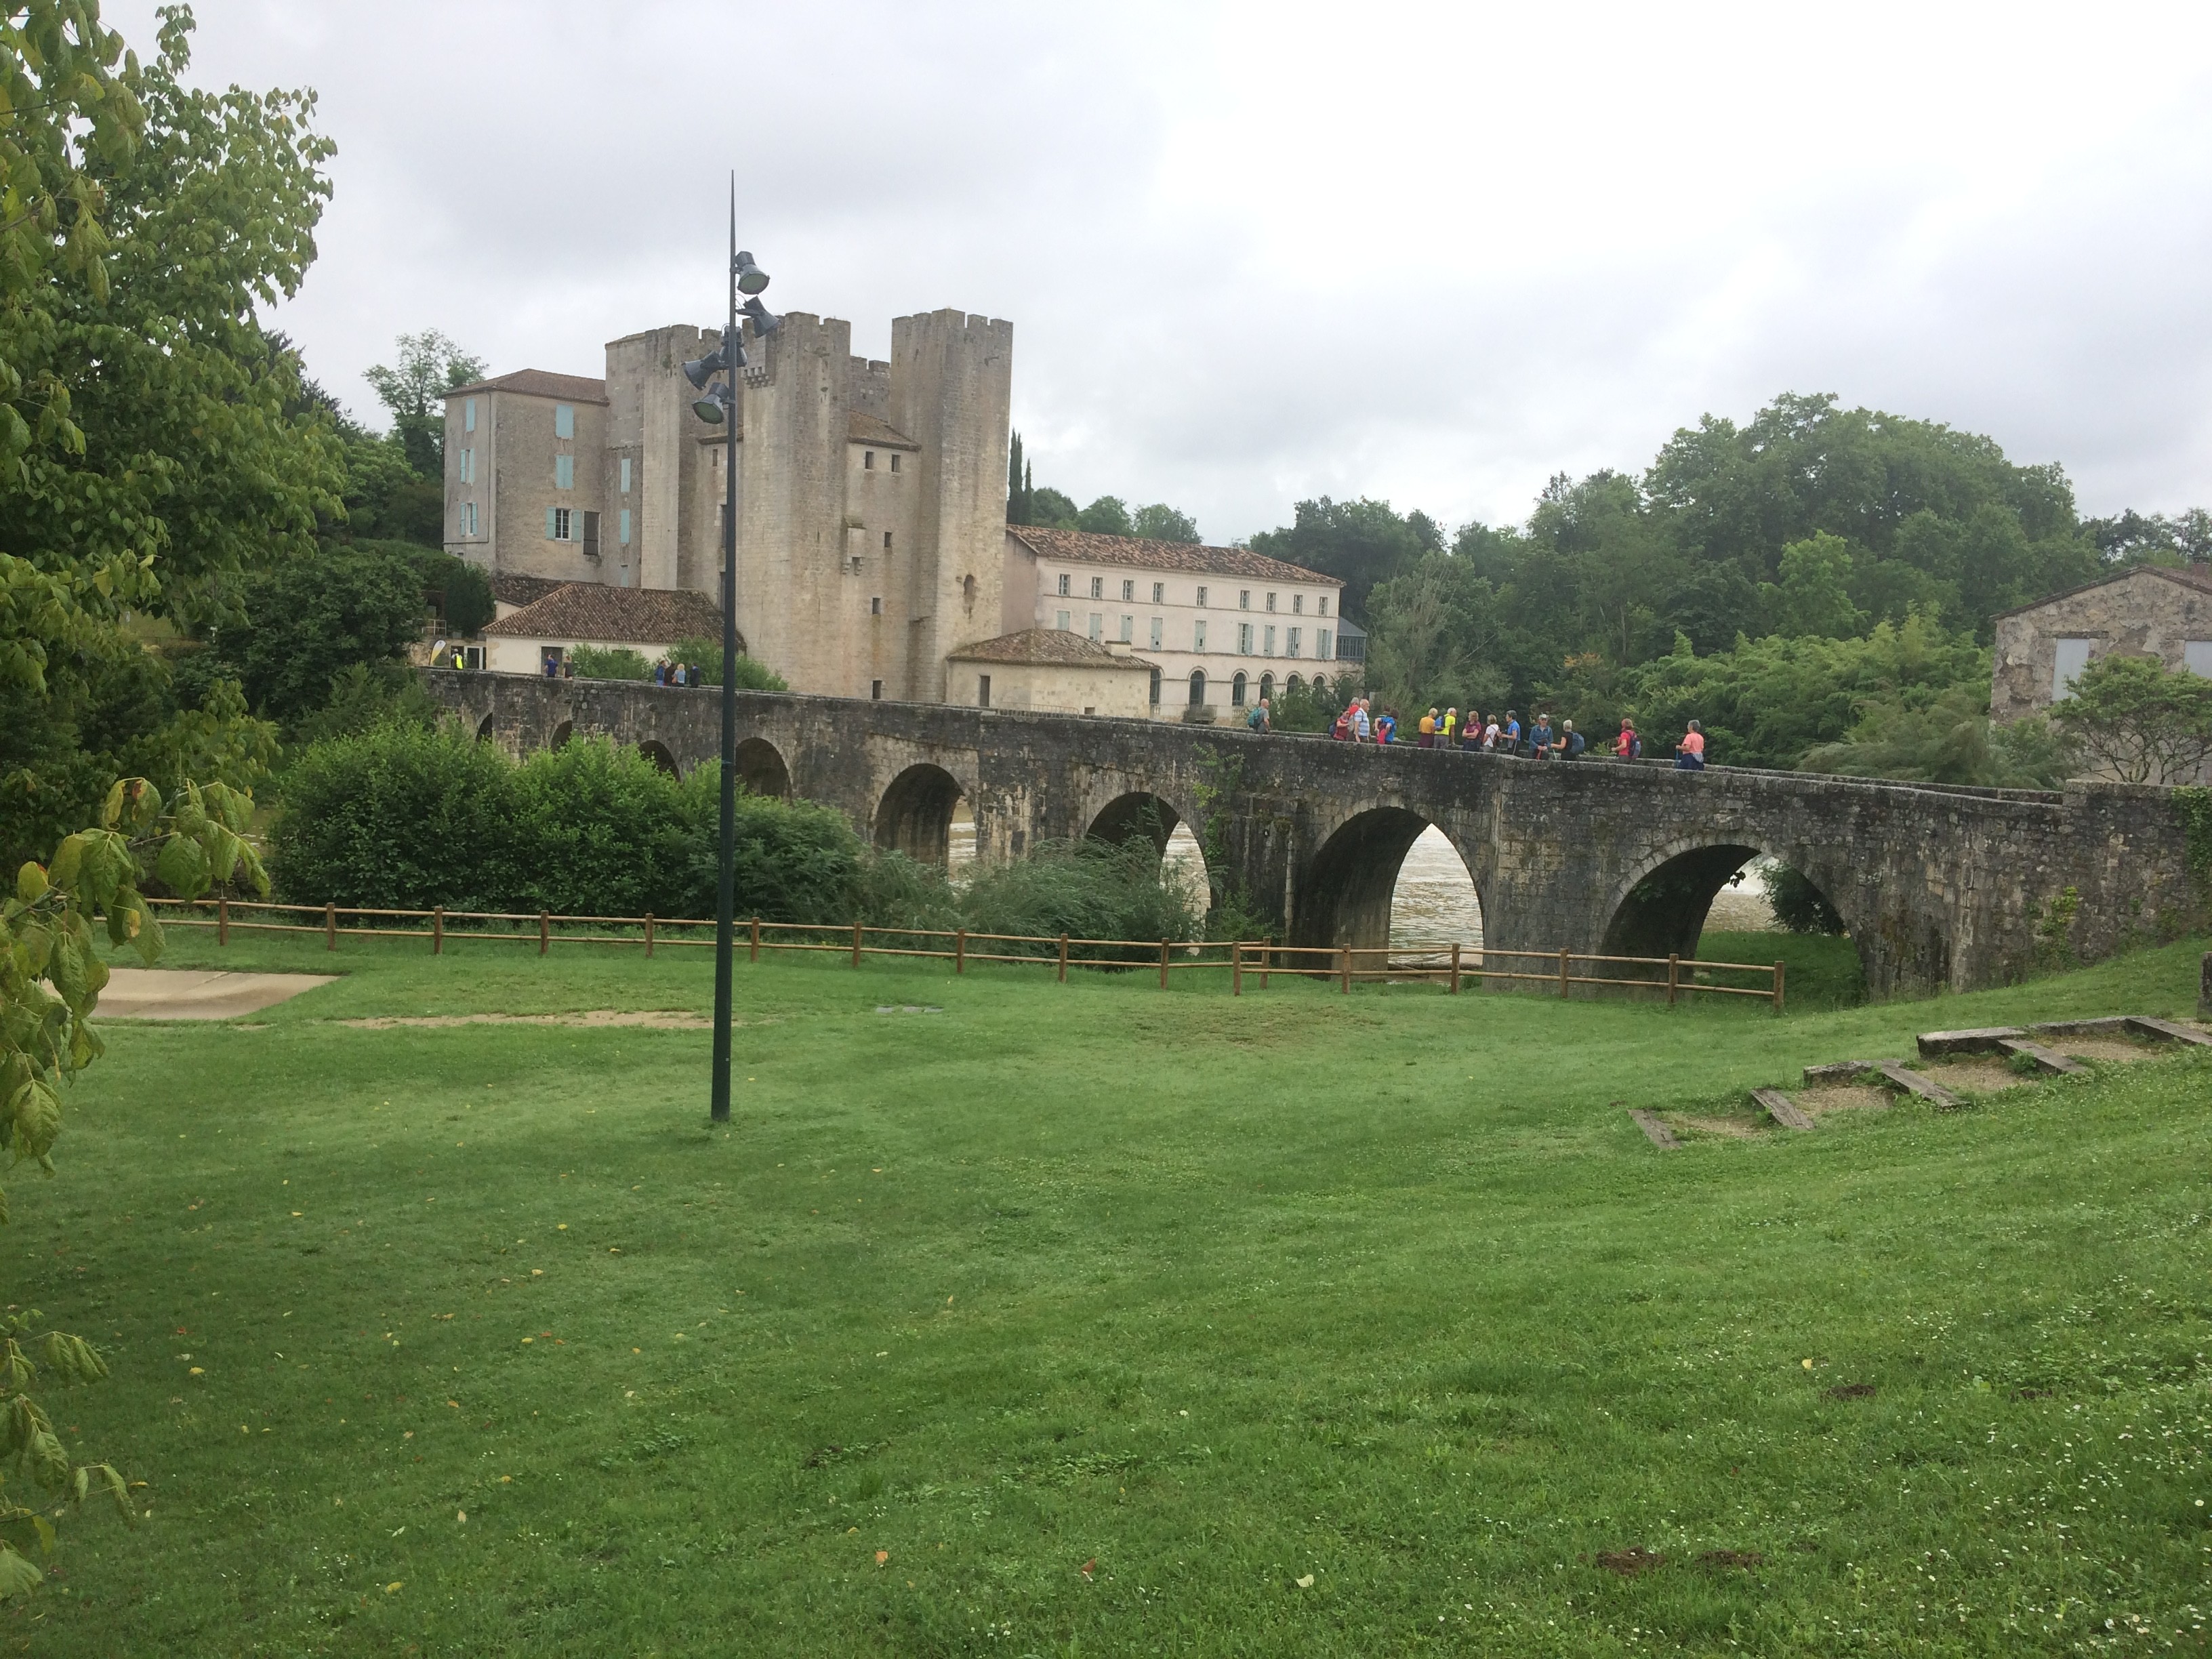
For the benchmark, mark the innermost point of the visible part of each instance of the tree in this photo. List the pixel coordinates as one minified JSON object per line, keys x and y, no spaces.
{"x":296,"y":626}
{"x":1047,"y":506}
{"x":1362,"y":542}
{"x":706,"y":656}
{"x":1813,"y":596}
{"x":1107,"y":516}
{"x":2137,"y":721}
{"x":1161,"y":523}
{"x":51,"y":977}
{"x":428,"y":366}
{"x":1019,"y":482}
{"x":1951,"y":740}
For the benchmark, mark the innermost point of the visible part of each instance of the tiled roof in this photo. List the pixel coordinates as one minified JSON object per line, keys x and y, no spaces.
{"x":2188,"y":575}
{"x":1090,"y":549}
{"x":633,"y":616}
{"x":541,"y":383}
{"x":867,"y":430}
{"x":1055,"y":646}
{"x":513,"y":587}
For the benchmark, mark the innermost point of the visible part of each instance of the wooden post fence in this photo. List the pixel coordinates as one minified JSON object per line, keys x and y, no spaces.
{"x":222,"y":918}
{"x":1563,"y":970}
{"x":1063,"y":958}
{"x":1235,"y":968}
{"x":856,"y":945}
{"x":1674,"y":976}
{"x":648,"y":932}
{"x":330,"y":926}
{"x":1346,"y":967}
{"x":1778,"y":987}
{"x":544,"y":932}
{"x":438,"y":930}
{"x":754,"y":954}
{"x":1163,"y":964}
{"x":960,"y":951}
{"x":1454,"y":976}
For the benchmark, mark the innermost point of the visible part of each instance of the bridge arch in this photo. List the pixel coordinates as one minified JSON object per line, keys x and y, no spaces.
{"x":562,"y":733}
{"x":484,"y":729}
{"x":657,"y":751}
{"x":915,"y":816}
{"x":1139,"y":812}
{"x":1660,"y":909}
{"x":762,"y":770}
{"x":1349,"y":887}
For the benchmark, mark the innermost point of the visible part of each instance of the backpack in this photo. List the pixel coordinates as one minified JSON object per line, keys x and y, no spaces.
{"x":1634,"y":748}
{"x":1252,"y":720}
{"x":1574,"y":744}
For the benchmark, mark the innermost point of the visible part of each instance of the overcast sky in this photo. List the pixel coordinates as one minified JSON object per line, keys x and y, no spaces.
{"x":1256,"y":252}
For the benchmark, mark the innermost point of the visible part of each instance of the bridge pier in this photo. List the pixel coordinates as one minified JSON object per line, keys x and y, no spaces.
{"x":1938,"y":887}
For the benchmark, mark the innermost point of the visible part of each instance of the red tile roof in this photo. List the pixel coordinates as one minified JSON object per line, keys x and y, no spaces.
{"x":541,"y":383}
{"x":627,"y":615}
{"x":1085,"y":547}
{"x":513,"y":587}
{"x":1054,"y":646}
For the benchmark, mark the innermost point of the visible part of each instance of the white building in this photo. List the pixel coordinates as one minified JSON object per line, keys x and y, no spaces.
{"x":1224,"y":626}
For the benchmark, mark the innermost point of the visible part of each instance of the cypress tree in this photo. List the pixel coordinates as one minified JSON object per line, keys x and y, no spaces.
{"x":1018,"y":502}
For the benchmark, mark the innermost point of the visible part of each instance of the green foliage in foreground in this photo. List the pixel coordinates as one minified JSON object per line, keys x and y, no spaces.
{"x":706,"y":656}
{"x":2139,"y":720}
{"x":610,"y":662}
{"x":1208,"y":1296}
{"x":52,"y":973}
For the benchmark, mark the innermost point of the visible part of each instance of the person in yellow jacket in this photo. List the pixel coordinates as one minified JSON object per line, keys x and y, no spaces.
{"x":1448,"y":730}
{"x":1428,"y":739}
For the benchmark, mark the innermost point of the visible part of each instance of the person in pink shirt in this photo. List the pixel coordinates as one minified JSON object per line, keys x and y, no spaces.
{"x":1690,"y":752}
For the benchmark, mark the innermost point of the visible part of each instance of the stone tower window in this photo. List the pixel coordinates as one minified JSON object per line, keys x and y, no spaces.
{"x":895,"y":461}
{"x":876,"y":605}
{"x":887,"y":541}
{"x":968,"y":594}
{"x":867,"y":461}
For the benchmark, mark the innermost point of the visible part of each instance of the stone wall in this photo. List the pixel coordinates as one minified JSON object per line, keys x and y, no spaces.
{"x":1939,"y":887}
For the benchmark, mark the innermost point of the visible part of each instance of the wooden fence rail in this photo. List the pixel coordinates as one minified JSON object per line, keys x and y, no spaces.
{"x":1343,"y":963}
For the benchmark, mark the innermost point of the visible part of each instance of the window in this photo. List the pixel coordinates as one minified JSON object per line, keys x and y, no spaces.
{"x":1128,"y":591}
{"x":876,"y":605}
{"x":564,"y":472}
{"x":1097,"y":587}
{"x":982,"y":690}
{"x":1156,"y":632}
{"x":468,"y":414}
{"x":1322,"y":602}
{"x":1269,"y":649}
{"x":564,"y":420}
{"x":1266,"y":687}
{"x":1059,"y":620}
{"x":1128,"y":629}
{"x":1298,"y":605}
{"x":2071,"y":657}
{"x":2197,"y":657}
{"x":1202,"y":598}
{"x":469,"y":515}
{"x":1321,"y":643}
{"x":887,"y":541}
{"x":1291,"y":647}
{"x":622,"y":526}
{"x":867,"y":461}
{"x":1156,"y":688}
{"x":1243,"y":639}
{"x":1244,"y":598}
{"x":1237,"y":692}
{"x":1198,"y":634}
{"x":465,"y":465}
{"x":1063,"y":585}
{"x":1159,"y":592}
{"x":560,"y":524}
{"x":591,"y":534}
{"x":623,"y":468}
{"x":1271,"y":601}
{"x":1198,"y":687}
{"x":895,"y":460}
{"x":1098,"y":626}
{"x":875,"y":690}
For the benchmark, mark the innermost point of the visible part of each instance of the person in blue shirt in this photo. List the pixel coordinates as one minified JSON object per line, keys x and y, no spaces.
{"x":1511,"y":740}
{"x":1540,"y":738}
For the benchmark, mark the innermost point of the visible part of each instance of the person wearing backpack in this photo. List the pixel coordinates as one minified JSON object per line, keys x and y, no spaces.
{"x":1571,"y":744}
{"x":1259,"y":720}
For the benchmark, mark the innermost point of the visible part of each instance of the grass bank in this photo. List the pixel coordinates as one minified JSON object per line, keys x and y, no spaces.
{"x":1089,"y":1319}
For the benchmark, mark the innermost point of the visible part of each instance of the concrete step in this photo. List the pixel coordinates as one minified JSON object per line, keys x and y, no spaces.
{"x":2167,"y":1031}
{"x":1903,"y":1077}
{"x":2048,"y":1061}
{"x":1982,"y":1040}
{"x":1837,"y":1070}
{"x":1781,"y":1108}
{"x":1657,"y":1131}
{"x":2109,"y":1025}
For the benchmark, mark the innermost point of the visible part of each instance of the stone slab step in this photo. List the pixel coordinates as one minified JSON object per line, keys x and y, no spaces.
{"x":1903,"y":1077}
{"x":1837,"y":1070}
{"x":1781,"y":1108}
{"x":2108,"y":1025}
{"x":2167,"y":1031}
{"x":2048,"y":1061}
{"x":1981,"y":1040}
{"x":1658,"y":1133}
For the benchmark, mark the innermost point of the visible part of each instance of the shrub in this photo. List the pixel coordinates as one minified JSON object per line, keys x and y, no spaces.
{"x":706,"y":655}
{"x":610,"y":662}
{"x":1087,"y":890}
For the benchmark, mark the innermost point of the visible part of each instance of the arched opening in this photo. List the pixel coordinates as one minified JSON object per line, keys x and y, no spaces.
{"x":1237,"y":692}
{"x":1266,"y":688}
{"x":916,"y":815}
{"x":1735,"y":903}
{"x":562,"y":732}
{"x":1352,"y":889}
{"x":1320,"y":687}
{"x":484,"y":729}
{"x":657,"y":753}
{"x":761,"y":769}
{"x":1145,"y":815}
{"x":1156,"y":689}
{"x":960,"y":842}
{"x":1197,"y":688}
{"x":1291,"y":685}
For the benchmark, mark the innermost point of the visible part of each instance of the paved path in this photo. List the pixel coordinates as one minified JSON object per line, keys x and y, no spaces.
{"x":194,"y":993}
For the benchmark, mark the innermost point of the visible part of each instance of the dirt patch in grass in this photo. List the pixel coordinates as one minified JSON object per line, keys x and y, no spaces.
{"x":1843,"y":1097}
{"x":1732,"y":1558}
{"x":2103,"y":1048}
{"x":1979,"y":1074}
{"x":1851,"y":1391}
{"x":658,"y":1019}
{"x":1745,"y":1127}
{"x":1629,"y":1562}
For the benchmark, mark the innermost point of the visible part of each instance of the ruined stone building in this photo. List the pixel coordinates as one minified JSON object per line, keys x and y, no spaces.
{"x":872,"y":546}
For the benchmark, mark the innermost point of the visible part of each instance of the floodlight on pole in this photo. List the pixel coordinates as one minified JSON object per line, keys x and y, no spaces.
{"x":700,"y":370}
{"x":765,"y":322}
{"x":750,"y":278}
{"x":714,"y":408}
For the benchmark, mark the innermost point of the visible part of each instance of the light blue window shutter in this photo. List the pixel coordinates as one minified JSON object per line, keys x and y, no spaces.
{"x":468,"y":414}
{"x":550,"y":512}
{"x":564,"y":420}
{"x":623,"y":520}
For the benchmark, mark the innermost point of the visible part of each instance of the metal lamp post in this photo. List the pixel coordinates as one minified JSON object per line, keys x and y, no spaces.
{"x":714,"y":376}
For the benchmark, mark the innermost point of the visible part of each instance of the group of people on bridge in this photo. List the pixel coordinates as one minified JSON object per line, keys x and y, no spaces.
{"x":1495,"y":734}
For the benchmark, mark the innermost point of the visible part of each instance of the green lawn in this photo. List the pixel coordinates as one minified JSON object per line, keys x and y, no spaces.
{"x":1307,"y":1324}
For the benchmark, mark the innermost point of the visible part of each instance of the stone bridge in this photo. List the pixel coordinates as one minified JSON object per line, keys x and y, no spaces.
{"x":1938,"y":886}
